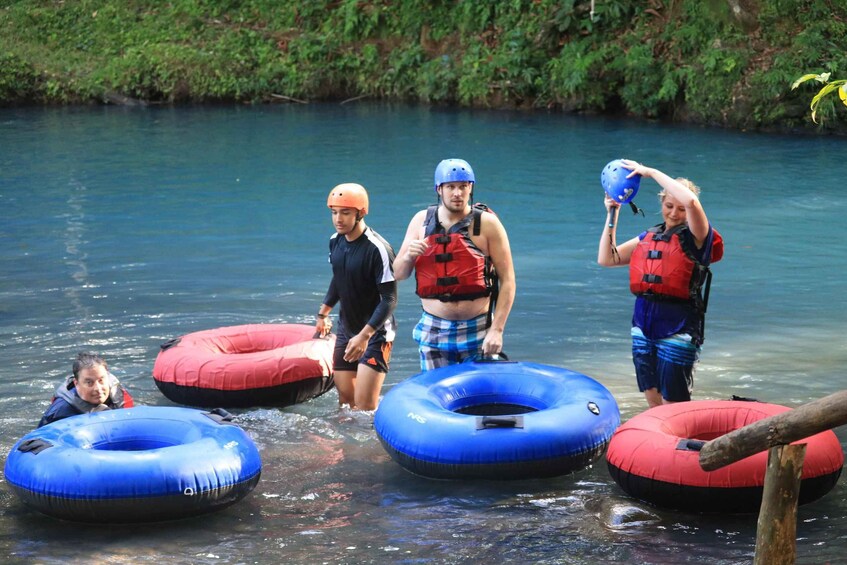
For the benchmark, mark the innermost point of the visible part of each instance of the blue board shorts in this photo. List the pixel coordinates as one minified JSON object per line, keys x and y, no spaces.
{"x":448,"y":342}
{"x":665,"y":364}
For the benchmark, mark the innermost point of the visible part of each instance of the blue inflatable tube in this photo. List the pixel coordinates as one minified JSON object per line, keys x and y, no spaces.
{"x":138,"y":464}
{"x":496,"y":420}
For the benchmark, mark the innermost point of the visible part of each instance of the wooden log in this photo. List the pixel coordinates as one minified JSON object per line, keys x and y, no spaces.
{"x":288,"y":98}
{"x":776,"y":533}
{"x":354,"y":99}
{"x":804,"y":421}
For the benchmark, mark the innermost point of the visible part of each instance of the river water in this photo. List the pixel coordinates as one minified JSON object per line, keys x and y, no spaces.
{"x":122,"y":228}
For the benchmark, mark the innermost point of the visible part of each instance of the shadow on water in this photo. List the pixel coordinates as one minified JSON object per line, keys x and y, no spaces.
{"x":329,"y":493}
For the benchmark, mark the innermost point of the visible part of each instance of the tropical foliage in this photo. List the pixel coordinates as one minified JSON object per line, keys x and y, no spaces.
{"x":839,"y":86}
{"x":720,"y":62}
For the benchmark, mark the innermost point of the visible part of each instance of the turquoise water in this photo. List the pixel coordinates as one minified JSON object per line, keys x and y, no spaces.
{"x":122,"y":228}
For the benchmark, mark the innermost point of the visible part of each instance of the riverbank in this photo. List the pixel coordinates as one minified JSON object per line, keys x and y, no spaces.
{"x":721,"y":63}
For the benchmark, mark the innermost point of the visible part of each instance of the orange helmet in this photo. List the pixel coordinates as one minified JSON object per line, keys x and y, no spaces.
{"x":349,"y":195}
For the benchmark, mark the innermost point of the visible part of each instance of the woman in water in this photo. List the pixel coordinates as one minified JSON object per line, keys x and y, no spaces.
{"x":669,"y":275}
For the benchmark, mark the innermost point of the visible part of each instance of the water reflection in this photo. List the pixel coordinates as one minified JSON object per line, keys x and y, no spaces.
{"x":123,"y":229}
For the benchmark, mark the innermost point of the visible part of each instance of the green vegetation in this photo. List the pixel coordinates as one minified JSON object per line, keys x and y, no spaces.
{"x":722,"y":62}
{"x":828,"y":88}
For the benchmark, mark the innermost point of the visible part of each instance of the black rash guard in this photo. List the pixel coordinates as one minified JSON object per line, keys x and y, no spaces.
{"x":363,"y":280}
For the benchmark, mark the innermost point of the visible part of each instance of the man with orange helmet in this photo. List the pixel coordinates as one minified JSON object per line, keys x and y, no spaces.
{"x":463,"y":266}
{"x":363,"y":282}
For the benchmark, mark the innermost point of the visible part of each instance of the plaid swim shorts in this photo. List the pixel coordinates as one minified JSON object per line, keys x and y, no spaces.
{"x":447,"y":342}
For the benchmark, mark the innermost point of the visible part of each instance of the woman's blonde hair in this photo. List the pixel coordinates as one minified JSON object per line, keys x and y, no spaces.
{"x":687,"y":184}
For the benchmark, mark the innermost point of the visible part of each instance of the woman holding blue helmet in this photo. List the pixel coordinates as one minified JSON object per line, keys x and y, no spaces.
{"x":669,"y":275}
{"x":460,"y":254}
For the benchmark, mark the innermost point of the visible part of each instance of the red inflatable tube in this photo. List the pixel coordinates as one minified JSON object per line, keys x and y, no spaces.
{"x":249,"y":365}
{"x":655,"y":457}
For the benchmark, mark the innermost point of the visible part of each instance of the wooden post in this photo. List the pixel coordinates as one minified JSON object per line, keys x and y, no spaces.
{"x":807,"y":420}
{"x":777,"y":526}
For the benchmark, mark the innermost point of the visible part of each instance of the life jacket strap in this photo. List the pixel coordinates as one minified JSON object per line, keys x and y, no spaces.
{"x":477,"y":217}
{"x":707,"y":286}
{"x":666,"y":235}
{"x":443,"y":257}
{"x":653,"y":297}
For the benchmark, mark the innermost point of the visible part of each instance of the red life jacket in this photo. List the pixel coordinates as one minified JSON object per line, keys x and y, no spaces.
{"x":663,"y":266}
{"x":452,"y":268}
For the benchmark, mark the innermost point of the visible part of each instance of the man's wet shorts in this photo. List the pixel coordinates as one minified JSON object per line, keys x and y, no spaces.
{"x":377,"y":354}
{"x":447,"y":342}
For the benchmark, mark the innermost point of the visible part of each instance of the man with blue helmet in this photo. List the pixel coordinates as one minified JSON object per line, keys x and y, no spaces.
{"x":462,"y":261}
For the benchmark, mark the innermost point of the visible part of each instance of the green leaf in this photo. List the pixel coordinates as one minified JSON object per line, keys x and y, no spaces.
{"x":824,"y":77}
{"x":802,"y":79}
{"x":817,"y":99}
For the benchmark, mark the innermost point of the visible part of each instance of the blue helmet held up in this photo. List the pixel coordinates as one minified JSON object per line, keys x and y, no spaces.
{"x":619,"y":188}
{"x":453,"y":170}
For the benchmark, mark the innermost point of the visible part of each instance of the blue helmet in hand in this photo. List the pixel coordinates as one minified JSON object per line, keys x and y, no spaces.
{"x":453,"y":170}
{"x":619,"y":188}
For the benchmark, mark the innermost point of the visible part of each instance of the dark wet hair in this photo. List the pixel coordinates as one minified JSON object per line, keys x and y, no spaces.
{"x":86,"y":360}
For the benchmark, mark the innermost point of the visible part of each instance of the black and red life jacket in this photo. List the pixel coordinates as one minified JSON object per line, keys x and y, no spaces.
{"x":119,"y":397}
{"x":663,"y":266}
{"x":452,"y":268}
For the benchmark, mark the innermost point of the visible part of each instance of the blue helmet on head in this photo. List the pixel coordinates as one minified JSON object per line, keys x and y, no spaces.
{"x":453,"y":170}
{"x":619,"y":188}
